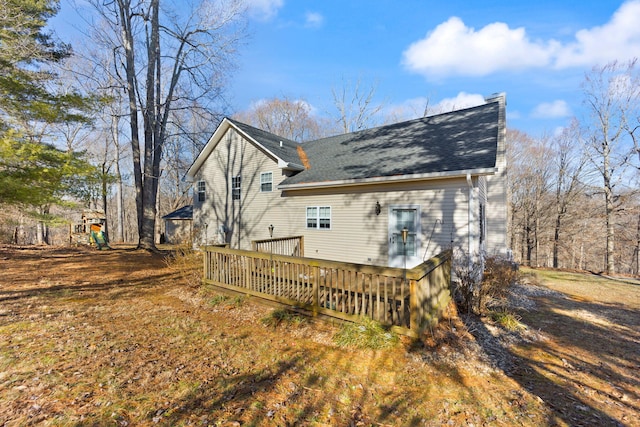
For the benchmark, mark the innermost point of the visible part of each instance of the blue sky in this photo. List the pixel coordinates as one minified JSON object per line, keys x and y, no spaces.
{"x":452,"y":52}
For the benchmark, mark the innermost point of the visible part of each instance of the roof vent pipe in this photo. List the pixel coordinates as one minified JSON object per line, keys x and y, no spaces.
{"x":280,"y":144}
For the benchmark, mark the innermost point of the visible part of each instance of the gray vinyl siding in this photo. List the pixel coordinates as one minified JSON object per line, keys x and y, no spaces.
{"x":359,"y":235}
{"x":497,"y":206}
{"x":356,"y":235}
{"x":245,"y":219}
{"x":497,"y":214}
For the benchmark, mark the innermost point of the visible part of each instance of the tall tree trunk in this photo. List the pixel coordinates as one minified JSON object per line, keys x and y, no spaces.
{"x":152,"y":142}
{"x":556,"y":237}
{"x":105,"y":191}
{"x":556,"y":240}
{"x":535,"y":235}
{"x":637,"y":249}
{"x":119,"y":237}
{"x":124,"y":8}
{"x":46,"y":230}
{"x":40,"y":229}
{"x":608,"y":201}
{"x":528,"y":240}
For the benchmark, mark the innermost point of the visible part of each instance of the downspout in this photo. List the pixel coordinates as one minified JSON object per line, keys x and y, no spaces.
{"x":470,"y":221}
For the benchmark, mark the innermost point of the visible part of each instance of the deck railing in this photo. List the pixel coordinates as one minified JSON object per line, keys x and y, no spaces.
{"x":342,"y":290}
{"x":293,"y":246}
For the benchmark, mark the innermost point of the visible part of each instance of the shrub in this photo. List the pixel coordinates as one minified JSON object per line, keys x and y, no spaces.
{"x":188,"y":263}
{"x":499,"y":274}
{"x":239,"y":300}
{"x":367,"y":334}
{"x":217,"y":300}
{"x":507,"y":320}
{"x":282,"y":315}
{"x":475,"y":290}
{"x":467,"y":275}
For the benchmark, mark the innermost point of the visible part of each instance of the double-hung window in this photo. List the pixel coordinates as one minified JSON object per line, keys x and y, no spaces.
{"x":201,"y":191}
{"x":266,"y":182}
{"x":319,"y":217}
{"x":236,"y":186}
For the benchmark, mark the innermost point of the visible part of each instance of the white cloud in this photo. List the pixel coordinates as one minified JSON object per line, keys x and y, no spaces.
{"x":264,"y":10}
{"x":313,"y":19}
{"x":617,"y":39}
{"x":452,"y":48}
{"x":513,"y":115}
{"x":552,"y":110}
{"x":460,"y":101}
{"x":455,"y":48}
{"x":558,"y":131}
{"x":418,"y":107}
{"x":407,"y":110}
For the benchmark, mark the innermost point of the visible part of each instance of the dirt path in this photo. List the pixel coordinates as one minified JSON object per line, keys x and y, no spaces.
{"x":119,"y":338}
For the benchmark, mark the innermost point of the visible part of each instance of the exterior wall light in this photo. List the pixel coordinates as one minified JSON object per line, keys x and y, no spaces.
{"x":405,"y":234}
{"x":378,"y":208}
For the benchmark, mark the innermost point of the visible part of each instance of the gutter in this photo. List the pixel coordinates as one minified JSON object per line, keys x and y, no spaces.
{"x":389,"y":179}
{"x":470,"y":220}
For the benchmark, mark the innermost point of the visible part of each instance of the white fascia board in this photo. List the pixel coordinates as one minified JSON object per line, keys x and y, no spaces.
{"x":289,"y":166}
{"x":389,"y":179}
{"x":281,"y":163}
{"x":215,"y":139}
{"x":208,"y":148}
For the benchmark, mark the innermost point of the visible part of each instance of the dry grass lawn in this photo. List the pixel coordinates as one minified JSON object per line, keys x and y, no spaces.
{"x":121,"y":338}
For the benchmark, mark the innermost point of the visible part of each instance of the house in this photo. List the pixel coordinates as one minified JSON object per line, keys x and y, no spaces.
{"x":178,"y":225}
{"x":443,"y":177}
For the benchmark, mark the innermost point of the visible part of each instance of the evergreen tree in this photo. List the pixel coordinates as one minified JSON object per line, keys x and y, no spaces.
{"x":33,"y":172}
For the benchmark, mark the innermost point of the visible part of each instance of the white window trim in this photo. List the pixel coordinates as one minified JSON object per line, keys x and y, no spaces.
{"x":203,"y":192}
{"x":233,"y":188}
{"x":261,"y":182}
{"x":317,"y":218}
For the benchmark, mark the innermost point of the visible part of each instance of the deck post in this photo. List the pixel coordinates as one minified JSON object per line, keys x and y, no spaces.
{"x":414,"y":311}
{"x":315,"y":297}
{"x":206,"y":263}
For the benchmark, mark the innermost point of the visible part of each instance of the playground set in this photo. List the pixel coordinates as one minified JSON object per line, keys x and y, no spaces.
{"x":91,"y":231}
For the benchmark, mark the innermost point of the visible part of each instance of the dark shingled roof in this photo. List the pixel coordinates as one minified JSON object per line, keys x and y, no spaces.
{"x":288,"y":151}
{"x":457,"y":141}
{"x":185,"y":212}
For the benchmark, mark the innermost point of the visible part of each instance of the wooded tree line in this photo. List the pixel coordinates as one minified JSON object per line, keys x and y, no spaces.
{"x":574,"y":195}
{"x":115,"y":126}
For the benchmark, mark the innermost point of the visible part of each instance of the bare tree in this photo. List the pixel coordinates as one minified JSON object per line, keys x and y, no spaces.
{"x":569,"y":165}
{"x":289,"y":118}
{"x":164,"y":65}
{"x":612,"y":96}
{"x":356,"y":107}
{"x":529,"y":183}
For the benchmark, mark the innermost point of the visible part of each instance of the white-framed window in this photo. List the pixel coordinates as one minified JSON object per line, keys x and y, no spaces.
{"x":319,"y":217}
{"x":266,"y":182}
{"x":201,"y":189}
{"x":236,"y":187}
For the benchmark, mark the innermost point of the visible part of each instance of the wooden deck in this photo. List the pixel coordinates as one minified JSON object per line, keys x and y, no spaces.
{"x":341,"y":290}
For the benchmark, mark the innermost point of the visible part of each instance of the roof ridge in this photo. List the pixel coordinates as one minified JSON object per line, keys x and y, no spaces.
{"x":403,"y":123}
{"x":238,"y":122}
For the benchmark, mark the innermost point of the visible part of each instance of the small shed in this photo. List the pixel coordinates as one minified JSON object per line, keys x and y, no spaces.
{"x":178,"y":225}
